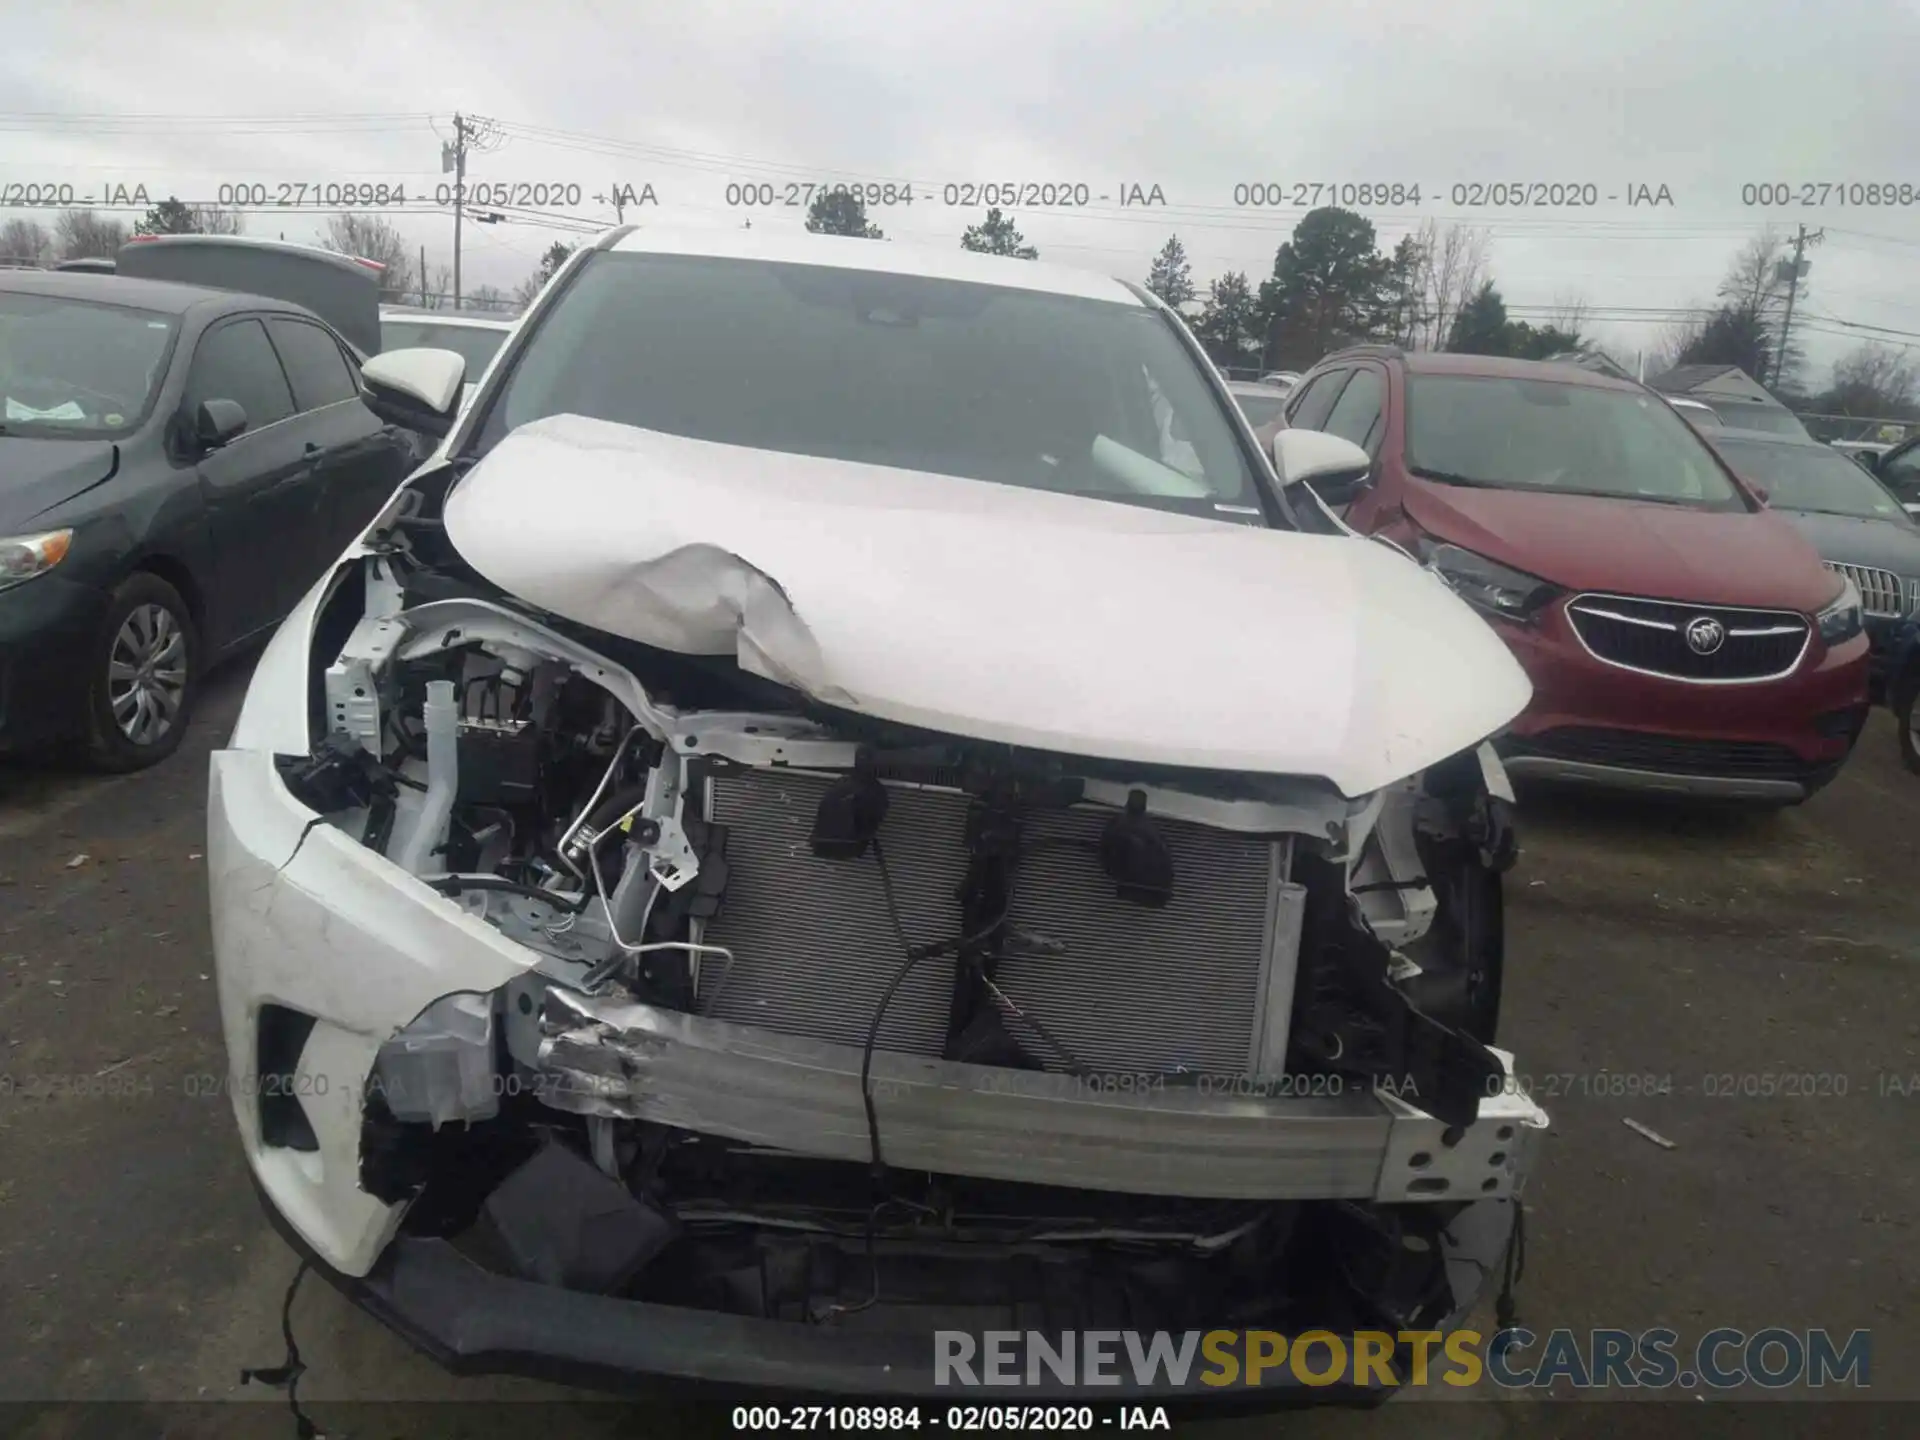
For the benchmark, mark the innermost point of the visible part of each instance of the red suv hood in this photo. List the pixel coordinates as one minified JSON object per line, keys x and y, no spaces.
{"x":1630,"y":547}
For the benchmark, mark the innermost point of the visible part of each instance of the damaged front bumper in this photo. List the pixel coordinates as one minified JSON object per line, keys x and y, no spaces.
{"x":310,"y":923}
{"x":1230,"y":1141}
{"x":473,"y":1322}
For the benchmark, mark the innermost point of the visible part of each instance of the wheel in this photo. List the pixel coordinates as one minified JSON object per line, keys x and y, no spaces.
{"x":1907,"y":720}
{"x":145,"y":662}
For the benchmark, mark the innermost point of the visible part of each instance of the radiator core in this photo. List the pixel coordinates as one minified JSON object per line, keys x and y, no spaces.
{"x":1187,"y":987}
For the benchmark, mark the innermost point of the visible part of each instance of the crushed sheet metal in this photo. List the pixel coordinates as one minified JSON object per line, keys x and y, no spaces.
{"x":994,"y":611}
{"x":703,"y":600}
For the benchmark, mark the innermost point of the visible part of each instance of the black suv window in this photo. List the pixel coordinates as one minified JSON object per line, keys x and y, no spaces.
{"x":1316,"y":399}
{"x":1357,"y":413}
{"x":314,"y":363}
{"x":1900,"y":471}
{"x":236,"y":362}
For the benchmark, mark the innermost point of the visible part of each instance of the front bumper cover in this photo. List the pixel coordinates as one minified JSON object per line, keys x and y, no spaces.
{"x":306,"y":918}
{"x":473,"y":1322}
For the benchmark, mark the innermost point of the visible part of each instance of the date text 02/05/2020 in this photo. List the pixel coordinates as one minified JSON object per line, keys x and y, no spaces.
{"x":954,"y":1419}
{"x":963,"y":194}
{"x":361,"y":194}
{"x":1468,"y":195}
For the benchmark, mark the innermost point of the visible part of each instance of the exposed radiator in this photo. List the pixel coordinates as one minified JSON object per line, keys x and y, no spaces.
{"x":1204,"y":984}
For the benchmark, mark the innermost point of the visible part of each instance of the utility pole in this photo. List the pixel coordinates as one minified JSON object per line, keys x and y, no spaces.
{"x":423,"y":278}
{"x":469,"y":133}
{"x":1792,"y":270}
{"x":459,"y":159}
{"x":619,"y":206}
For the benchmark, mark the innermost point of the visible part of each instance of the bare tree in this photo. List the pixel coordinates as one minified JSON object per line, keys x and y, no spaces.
{"x":1754,"y":282}
{"x":1569,"y":315}
{"x":1872,"y":380}
{"x":1453,"y":268}
{"x":490,"y":297}
{"x":1676,"y":338}
{"x":24,"y":242}
{"x":371,"y":238}
{"x":1755,"y":290}
{"x":528,"y":290}
{"x":83,"y":235}
{"x":436,"y":287}
{"x":213,"y":220}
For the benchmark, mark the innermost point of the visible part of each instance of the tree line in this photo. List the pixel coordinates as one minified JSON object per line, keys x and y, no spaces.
{"x":1330,"y":285}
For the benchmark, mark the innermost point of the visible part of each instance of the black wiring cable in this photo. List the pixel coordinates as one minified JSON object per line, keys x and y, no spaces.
{"x":917,"y":953}
{"x":288,"y":1372}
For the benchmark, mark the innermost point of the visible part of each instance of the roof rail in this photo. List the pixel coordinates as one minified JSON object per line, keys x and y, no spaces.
{"x":1373,"y":348}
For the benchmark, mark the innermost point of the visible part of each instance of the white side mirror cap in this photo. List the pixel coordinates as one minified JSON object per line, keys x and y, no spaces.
{"x":1300,"y":456}
{"x":418,"y":389}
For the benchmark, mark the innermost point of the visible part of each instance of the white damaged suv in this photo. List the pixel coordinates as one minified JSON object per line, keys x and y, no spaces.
{"x":850,"y":799}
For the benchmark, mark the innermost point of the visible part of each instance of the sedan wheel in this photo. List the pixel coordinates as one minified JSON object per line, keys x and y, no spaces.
{"x":147,"y":661}
{"x":147,"y":674}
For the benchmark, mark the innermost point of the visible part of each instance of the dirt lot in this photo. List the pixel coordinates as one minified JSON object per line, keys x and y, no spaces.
{"x":1694,"y":948}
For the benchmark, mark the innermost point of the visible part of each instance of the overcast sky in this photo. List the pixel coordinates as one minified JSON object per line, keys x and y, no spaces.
{"x":1702,"y":98}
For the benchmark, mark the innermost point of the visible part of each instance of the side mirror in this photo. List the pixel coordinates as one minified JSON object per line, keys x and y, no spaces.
{"x":217,"y":422}
{"x":1760,"y":493}
{"x":1336,"y":469}
{"x":417,"y":389}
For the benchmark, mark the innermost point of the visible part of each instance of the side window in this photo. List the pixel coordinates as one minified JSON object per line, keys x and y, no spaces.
{"x":313,"y":362}
{"x":1901,"y":473}
{"x":1357,"y":413}
{"x":1310,"y":410}
{"x":236,"y":362}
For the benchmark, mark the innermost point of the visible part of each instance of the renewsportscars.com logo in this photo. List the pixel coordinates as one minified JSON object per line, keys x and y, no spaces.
{"x":1722,"y":1359}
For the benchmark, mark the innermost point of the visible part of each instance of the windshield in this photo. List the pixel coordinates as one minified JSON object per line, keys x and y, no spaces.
{"x":1527,"y":434}
{"x":476,"y":344}
{"x":77,"y":367}
{"x":1006,"y":385}
{"x":1259,"y":409}
{"x":1812,"y":478}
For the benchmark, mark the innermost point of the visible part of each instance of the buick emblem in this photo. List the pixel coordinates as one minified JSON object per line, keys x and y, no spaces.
{"x":1705,"y":635}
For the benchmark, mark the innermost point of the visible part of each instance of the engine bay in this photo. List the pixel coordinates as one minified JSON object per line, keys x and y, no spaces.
{"x":726,"y":892}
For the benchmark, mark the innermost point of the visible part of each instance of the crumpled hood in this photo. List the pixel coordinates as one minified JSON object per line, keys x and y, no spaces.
{"x":1003,"y":614}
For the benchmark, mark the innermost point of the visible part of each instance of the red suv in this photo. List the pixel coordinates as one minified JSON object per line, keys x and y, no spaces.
{"x":1678,"y":636}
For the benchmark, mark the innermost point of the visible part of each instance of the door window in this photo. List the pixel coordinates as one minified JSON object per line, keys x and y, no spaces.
{"x":1900,"y":473}
{"x":236,"y":362}
{"x":1357,"y":413}
{"x":1316,"y":400}
{"x":314,"y":363}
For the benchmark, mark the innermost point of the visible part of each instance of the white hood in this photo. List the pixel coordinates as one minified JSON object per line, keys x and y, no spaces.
{"x":1004,"y":614}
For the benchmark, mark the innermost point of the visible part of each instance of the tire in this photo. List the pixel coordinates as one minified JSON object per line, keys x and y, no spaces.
{"x":145,"y":667}
{"x":1905,"y":719}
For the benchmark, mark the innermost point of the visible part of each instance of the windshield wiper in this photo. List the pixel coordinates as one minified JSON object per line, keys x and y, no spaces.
{"x":1448,"y":477}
